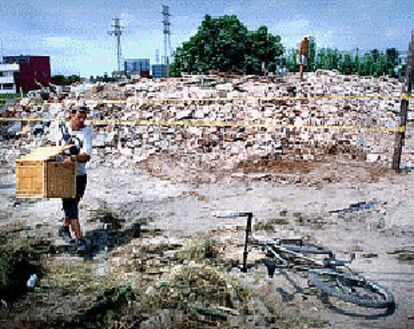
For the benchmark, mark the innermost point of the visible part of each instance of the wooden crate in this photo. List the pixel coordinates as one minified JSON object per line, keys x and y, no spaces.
{"x":38,"y":175}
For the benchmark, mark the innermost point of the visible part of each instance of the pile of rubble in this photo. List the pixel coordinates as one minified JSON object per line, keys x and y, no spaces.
{"x":226,"y":120}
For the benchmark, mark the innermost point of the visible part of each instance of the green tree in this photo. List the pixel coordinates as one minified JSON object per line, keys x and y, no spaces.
{"x":311,"y":55}
{"x":264,"y":48}
{"x":368,"y":65}
{"x":392,"y":61}
{"x":321,"y":59}
{"x":73,"y":79}
{"x":345,"y":64}
{"x":375,"y":54}
{"x":356,"y":63}
{"x":58,"y":79}
{"x":381,"y":64}
{"x":225,"y":44}
{"x":291,"y":62}
{"x":174,"y":71}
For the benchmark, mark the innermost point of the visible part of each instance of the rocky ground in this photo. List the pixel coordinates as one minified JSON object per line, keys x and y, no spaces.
{"x":159,"y":258}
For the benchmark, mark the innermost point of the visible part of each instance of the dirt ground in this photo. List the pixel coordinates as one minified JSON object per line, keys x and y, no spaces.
{"x":175,"y":203}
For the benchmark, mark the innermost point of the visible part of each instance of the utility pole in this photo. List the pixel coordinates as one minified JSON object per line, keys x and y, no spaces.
{"x":1,"y":48}
{"x":400,"y":135}
{"x":167,"y":33}
{"x":117,"y":32}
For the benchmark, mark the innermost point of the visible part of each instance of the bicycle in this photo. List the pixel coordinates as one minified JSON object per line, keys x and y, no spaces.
{"x":330,"y":275}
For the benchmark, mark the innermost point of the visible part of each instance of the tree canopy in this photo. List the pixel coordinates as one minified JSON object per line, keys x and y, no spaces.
{"x":60,"y":79}
{"x":373,"y":62}
{"x":225,"y":44}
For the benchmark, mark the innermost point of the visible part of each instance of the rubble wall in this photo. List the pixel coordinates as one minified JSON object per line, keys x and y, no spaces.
{"x":253,"y":102}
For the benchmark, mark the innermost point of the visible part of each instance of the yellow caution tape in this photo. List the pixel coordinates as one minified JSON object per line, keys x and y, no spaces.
{"x":232,"y":124}
{"x":225,"y":99}
{"x":221,"y":124}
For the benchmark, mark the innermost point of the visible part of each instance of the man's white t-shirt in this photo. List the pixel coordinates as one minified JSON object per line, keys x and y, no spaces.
{"x":84,"y":136}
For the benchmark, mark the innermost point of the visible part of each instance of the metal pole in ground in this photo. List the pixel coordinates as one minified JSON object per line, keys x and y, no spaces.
{"x":400,"y":135}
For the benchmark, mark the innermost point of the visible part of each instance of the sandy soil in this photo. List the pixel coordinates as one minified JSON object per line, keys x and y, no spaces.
{"x":289,"y":200}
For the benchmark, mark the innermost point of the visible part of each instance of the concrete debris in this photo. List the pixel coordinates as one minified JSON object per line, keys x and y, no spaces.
{"x":259,"y":136}
{"x":159,"y":321}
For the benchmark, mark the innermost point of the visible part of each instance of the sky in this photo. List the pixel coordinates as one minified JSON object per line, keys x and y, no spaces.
{"x":74,"y":32}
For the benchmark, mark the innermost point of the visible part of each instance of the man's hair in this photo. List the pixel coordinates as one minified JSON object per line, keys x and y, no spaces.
{"x":80,"y":109}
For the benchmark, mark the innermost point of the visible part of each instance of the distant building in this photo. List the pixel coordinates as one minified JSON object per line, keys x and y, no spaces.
{"x":136,"y":75}
{"x":402,"y":57}
{"x":159,"y":71}
{"x":8,"y":74}
{"x":32,"y":69}
{"x":137,"y":66}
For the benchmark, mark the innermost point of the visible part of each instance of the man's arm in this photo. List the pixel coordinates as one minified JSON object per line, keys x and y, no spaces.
{"x":86,"y":151}
{"x":81,"y":157}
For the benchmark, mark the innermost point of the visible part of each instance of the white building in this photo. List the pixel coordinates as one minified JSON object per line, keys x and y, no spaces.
{"x":402,"y":57}
{"x":7,"y":81}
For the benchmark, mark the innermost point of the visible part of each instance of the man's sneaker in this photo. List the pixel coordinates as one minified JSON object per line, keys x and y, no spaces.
{"x":81,"y":245}
{"x":65,"y":233}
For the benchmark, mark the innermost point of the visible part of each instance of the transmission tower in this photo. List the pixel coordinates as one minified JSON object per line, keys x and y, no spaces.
{"x":117,"y":32}
{"x":167,"y":33}
{"x":157,"y":56}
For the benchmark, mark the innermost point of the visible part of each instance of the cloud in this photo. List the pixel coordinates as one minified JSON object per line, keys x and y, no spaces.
{"x":391,"y":33}
{"x":292,"y":31}
{"x":57,"y":42}
{"x":298,"y":24}
{"x":292,"y":28}
{"x":128,"y":19}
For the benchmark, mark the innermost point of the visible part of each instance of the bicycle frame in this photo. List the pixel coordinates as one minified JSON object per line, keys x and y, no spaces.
{"x":275,"y":245}
{"x":373,"y":295}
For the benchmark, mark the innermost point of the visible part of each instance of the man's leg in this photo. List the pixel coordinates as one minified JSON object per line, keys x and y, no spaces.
{"x":75,"y":225}
{"x":80,"y":190}
{"x":64,"y":231}
{"x":76,"y":228}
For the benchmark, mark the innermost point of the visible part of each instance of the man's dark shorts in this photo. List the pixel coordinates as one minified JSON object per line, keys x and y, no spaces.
{"x":70,"y":206}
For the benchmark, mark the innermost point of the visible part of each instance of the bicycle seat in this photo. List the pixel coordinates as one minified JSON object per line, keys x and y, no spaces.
{"x":333,"y":262}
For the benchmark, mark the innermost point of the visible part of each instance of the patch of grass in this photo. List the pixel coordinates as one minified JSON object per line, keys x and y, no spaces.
{"x":158,"y":248}
{"x":10,"y":96}
{"x":187,"y":289}
{"x":206,"y":248}
{"x":279,"y":313}
{"x":107,"y":311}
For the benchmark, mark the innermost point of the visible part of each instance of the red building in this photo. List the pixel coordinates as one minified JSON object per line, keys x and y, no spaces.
{"x":32,"y":69}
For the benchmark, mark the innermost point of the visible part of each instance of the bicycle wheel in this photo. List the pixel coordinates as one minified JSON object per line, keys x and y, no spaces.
{"x":351,"y":288}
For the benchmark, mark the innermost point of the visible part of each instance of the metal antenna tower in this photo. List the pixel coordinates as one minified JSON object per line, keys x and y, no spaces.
{"x":117,"y":32}
{"x":167,"y":41}
{"x":157,"y":56}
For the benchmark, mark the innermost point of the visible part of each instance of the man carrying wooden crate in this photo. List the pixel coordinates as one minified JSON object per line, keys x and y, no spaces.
{"x":78,"y":139}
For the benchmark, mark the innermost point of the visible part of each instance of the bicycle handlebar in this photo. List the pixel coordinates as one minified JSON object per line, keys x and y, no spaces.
{"x":232,"y":214}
